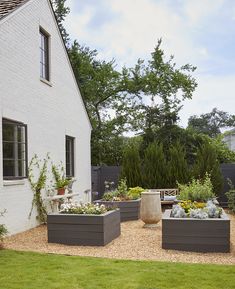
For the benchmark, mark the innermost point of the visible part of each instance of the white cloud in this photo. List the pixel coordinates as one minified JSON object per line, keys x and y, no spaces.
{"x":197,"y":11}
{"x":212,"y":91}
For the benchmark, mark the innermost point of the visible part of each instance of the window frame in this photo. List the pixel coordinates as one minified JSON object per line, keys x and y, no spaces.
{"x":72,"y":156}
{"x":16,"y":123}
{"x":45,"y":52}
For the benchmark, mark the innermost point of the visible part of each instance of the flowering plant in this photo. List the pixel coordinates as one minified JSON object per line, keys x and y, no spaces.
{"x":79,"y":208}
{"x":196,"y":210}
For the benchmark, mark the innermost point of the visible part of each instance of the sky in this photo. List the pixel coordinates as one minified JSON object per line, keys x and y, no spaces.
{"x":199,"y":32}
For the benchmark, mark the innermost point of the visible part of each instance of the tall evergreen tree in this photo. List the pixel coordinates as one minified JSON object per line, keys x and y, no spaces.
{"x":178,"y":166}
{"x":155,"y":174}
{"x":131,"y":166}
{"x":207,"y":162}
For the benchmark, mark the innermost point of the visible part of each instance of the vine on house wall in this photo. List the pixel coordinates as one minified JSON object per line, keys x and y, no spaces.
{"x":37,"y":185}
{"x":3,"y":229}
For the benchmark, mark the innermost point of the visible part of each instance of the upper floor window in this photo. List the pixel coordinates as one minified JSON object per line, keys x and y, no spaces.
{"x":69,"y":157}
{"x":14,"y":149}
{"x":44,"y":55}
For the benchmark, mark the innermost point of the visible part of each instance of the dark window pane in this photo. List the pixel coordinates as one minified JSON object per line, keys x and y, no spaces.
{"x":14,"y":149}
{"x":8,"y":168}
{"x":21,"y":133}
{"x":8,"y":132}
{"x":21,"y":151}
{"x":69,"y":156}
{"x":44,"y":56}
{"x":8,"y":150}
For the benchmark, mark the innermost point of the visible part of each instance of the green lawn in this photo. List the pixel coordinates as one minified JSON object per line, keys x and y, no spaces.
{"x":24,"y":270}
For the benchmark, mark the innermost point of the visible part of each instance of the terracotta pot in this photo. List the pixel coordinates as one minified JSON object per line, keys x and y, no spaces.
{"x":61,"y":191}
{"x":150,"y":208}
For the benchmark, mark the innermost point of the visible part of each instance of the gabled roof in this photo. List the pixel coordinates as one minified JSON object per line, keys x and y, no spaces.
{"x":8,"y":6}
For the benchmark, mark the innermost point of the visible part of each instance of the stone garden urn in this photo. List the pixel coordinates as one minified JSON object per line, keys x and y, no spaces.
{"x":150,"y":209}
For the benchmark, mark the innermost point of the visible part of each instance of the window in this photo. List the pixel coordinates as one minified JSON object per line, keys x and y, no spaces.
{"x":69,"y":143}
{"x":44,"y":55}
{"x":14,"y":149}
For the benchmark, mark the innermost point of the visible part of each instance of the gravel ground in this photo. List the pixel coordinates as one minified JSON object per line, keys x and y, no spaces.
{"x":135,"y":243}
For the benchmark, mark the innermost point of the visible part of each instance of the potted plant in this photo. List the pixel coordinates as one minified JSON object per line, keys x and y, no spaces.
{"x":83,"y":224}
{"x":61,"y":182}
{"x":127,"y":200}
{"x":197,"y":223}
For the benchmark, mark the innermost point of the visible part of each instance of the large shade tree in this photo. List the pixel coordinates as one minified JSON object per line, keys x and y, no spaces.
{"x":211,"y":123}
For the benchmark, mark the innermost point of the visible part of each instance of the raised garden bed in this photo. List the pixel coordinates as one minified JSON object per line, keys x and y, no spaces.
{"x":196,"y":235}
{"x":87,"y":230}
{"x":129,"y":210}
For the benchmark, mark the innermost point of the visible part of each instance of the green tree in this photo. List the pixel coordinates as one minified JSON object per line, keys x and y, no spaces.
{"x":155,"y":174}
{"x":178,"y":166}
{"x":212,"y":122}
{"x":61,"y":11}
{"x":207,"y":162}
{"x":131,"y":166}
{"x":165,"y":86}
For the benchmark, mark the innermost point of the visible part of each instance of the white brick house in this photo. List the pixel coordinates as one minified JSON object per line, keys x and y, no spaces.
{"x":40,"y":107}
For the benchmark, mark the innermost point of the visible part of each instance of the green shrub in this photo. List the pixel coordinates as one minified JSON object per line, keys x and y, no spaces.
{"x":207,"y":162}
{"x":231,"y":196}
{"x":155,"y":171}
{"x":131,"y":166}
{"x":178,"y":166}
{"x":197,"y":190}
{"x":135,"y":193}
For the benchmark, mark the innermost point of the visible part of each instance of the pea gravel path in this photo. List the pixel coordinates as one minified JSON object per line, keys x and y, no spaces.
{"x":135,"y":243}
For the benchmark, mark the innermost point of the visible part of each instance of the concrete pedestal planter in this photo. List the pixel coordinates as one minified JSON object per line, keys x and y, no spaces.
{"x":196,"y":235}
{"x":129,"y":210}
{"x":87,"y":230}
{"x":150,"y":210}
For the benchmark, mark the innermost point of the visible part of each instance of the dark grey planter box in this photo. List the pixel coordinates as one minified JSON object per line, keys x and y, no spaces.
{"x":129,"y":210}
{"x":87,"y":230}
{"x":188,"y":234}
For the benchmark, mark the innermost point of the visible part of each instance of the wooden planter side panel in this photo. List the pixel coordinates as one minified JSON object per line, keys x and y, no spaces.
{"x":209,"y":235}
{"x":129,"y":210}
{"x":82,"y":229}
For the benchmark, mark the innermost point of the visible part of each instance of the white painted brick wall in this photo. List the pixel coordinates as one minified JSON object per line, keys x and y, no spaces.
{"x":49,"y":112}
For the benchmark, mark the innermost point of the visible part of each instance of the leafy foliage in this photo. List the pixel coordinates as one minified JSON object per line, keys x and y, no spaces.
{"x":38,"y":183}
{"x":59,"y":176}
{"x":231,"y":196}
{"x":135,"y":193}
{"x":61,"y":12}
{"x":212,"y":122}
{"x":178,"y":166}
{"x":131,"y":166}
{"x":197,"y":190}
{"x":3,"y":229}
{"x":122,"y":193}
{"x":224,"y":154}
{"x":165,"y":86}
{"x":207,"y":162}
{"x":155,"y":173}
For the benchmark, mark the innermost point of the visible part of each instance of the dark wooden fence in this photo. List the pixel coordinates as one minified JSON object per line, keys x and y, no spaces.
{"x":100,"y":174}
